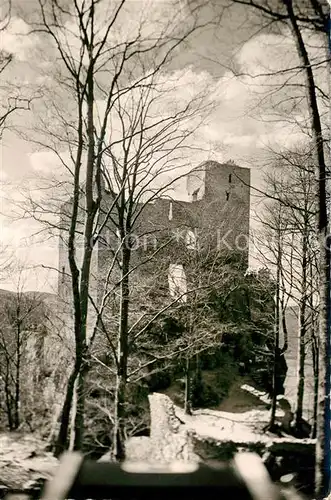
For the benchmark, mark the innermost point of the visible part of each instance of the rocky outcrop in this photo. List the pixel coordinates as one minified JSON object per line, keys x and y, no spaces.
{"x":46,"y":367}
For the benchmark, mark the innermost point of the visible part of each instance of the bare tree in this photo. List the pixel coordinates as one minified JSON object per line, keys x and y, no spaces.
{"x":274,"y":230}
{"x":293,"y":221}
{"x":138,"y":351}
{"x":22,"y":315}
{"x":108,"y":77}
{"x":304,"y":19}
{"x":168,"y":328}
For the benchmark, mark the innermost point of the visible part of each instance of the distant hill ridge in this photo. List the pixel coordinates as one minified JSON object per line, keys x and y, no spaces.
{"x":48,"y":298}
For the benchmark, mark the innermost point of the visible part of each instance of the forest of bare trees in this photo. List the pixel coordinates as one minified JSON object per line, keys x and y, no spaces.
{"x":308,"y":23}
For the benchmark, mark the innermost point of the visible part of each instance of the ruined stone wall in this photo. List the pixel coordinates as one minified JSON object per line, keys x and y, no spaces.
{"x":218,"y":219}
{"x":220,"y":216}
{"x":169,"y":439}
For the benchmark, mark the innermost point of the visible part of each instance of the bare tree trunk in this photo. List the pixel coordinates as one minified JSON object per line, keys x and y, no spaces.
{"x":123,"y":347}
{"x":316,"y":384}
{"x":314,"y":343}
{"x":91,"y":208}
{"x":9,"y":401}
{"x":17,"y":378}
{"x":301,"y":368}
{"x":276,"y":334}
{"x":302,"y":336}
{"x":322,"y":469}
{"x":188,"y":386}
{"x":119,"y":418}
{"x":62,"y":438}
{"x":284,"y":324}
{"x":79,"y":413}
{"x":80,"y":282}
{"x":73,"y":418}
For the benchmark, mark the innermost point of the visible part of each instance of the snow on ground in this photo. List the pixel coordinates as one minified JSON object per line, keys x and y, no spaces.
{"x":220,"y":425}
{"x":23,"y":458}
{"x":263,"y":396}
{"x":246,"y":427}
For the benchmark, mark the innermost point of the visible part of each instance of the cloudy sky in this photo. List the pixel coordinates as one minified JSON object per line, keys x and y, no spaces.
{"x":244,"y":124}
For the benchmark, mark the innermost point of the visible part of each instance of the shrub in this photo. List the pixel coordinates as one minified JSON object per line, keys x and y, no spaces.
{"x":160,"y":381}
{"x":204,"y":396}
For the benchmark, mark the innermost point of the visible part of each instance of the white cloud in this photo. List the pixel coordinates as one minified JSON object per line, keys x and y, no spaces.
{"x":15,"y":39}
{"x":266,"y":53}
{"x":43,"y":161}
{"x":37,"y":253}
{"x":252,"y":112}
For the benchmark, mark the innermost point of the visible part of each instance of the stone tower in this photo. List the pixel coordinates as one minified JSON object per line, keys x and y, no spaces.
{"x":220,"y":194}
